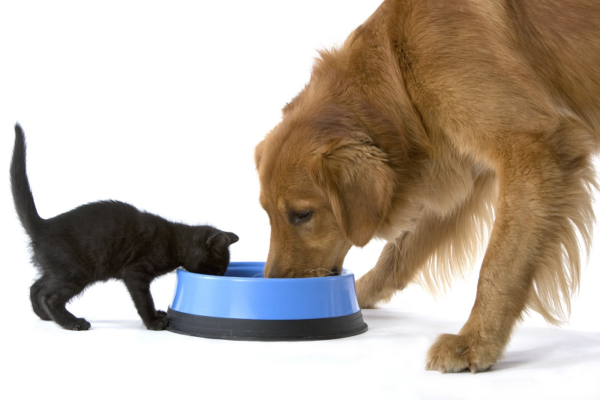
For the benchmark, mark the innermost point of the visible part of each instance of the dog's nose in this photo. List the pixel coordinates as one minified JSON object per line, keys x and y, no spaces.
{"x":271,"y":266}
{"x":272,"y":273}
{"x":335,"y":271}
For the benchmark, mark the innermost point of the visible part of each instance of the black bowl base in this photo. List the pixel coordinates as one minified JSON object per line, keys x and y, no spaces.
{"x":266,"y":330}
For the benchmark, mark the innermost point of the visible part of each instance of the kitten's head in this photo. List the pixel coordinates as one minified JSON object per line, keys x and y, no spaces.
{"x":210,"y":255}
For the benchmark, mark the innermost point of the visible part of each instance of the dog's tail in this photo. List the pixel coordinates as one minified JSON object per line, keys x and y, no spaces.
{"x":24,"y":204}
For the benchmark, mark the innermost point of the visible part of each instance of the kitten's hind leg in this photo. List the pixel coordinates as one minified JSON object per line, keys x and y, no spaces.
{"x":138,"y":286}
{"x":55,"y":297}
{"x":36,"y":301}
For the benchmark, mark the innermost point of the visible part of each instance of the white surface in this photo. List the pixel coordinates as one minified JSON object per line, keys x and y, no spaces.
{"x":161,"y":105}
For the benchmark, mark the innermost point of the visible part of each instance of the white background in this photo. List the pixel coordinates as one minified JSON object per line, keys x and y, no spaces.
{"x":160,"y":104}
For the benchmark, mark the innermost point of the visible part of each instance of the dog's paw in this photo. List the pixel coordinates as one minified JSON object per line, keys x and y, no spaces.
{"x":364,"y":304}
{"x":369,"y":294}
{"x":363,"y":295}
{"x":455,"y":353}
{"x":159,"y":323}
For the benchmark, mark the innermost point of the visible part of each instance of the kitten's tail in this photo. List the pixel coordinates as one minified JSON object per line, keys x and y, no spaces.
{"x":24,"y":204}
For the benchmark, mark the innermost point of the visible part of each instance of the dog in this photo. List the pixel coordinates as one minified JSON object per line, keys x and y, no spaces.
{"x":443,"y":127}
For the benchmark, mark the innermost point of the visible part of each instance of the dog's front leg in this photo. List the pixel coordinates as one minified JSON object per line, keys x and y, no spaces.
{"x":402,"y":260}
{"x":543,"y":195}
{"x":387,"y":277}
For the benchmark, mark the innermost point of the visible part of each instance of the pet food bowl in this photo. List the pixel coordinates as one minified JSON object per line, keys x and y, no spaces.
{"x":244,"y":305}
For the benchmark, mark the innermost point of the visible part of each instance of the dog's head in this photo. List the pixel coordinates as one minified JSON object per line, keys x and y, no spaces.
{"x":343,"y":164}
{"x":325,"y":187}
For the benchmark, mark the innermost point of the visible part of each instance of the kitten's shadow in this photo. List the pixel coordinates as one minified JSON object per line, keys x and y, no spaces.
{"x":118,"y":324}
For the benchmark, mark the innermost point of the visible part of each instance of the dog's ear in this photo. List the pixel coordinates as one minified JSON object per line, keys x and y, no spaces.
{"x":354,"y":175}
{"x":258,"y":153}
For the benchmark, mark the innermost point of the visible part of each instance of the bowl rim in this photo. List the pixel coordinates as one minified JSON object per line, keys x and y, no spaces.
{"x":253,"y":264}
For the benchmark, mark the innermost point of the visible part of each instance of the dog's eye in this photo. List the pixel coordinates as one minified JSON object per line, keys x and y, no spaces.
{"x":300,"y":217}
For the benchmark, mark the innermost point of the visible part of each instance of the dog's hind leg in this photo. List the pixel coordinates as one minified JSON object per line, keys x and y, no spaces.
{"x":437,"y":249}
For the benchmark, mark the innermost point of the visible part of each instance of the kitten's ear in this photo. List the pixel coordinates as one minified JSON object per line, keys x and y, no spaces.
{"x":232,"y":237}
{"x":221,"y":240}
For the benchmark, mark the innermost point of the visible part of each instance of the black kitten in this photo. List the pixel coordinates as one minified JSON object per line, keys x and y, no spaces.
{"x":108,"y":240}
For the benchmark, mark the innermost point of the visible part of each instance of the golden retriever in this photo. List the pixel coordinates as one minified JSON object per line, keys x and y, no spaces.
{"x":443,"y":126}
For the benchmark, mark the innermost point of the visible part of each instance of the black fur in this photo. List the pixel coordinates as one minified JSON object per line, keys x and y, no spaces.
{"x":108,"y":240}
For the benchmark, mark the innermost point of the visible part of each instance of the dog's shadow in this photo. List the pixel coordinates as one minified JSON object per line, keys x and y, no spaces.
{"x":551,"y":348}
{"x":530,"y":347}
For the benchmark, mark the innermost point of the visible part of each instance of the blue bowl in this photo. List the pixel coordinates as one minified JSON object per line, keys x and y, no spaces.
{"x":243,"y":305}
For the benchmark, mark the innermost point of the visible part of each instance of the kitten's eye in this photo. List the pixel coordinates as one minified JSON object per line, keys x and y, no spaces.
{"x":300,"y":217}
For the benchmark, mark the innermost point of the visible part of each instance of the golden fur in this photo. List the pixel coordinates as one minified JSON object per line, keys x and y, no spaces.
{"x":443,"y":127}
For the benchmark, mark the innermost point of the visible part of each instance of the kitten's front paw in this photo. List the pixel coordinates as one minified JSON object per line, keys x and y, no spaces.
{"x":159,"y":323}
{"x":160,"y":313}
